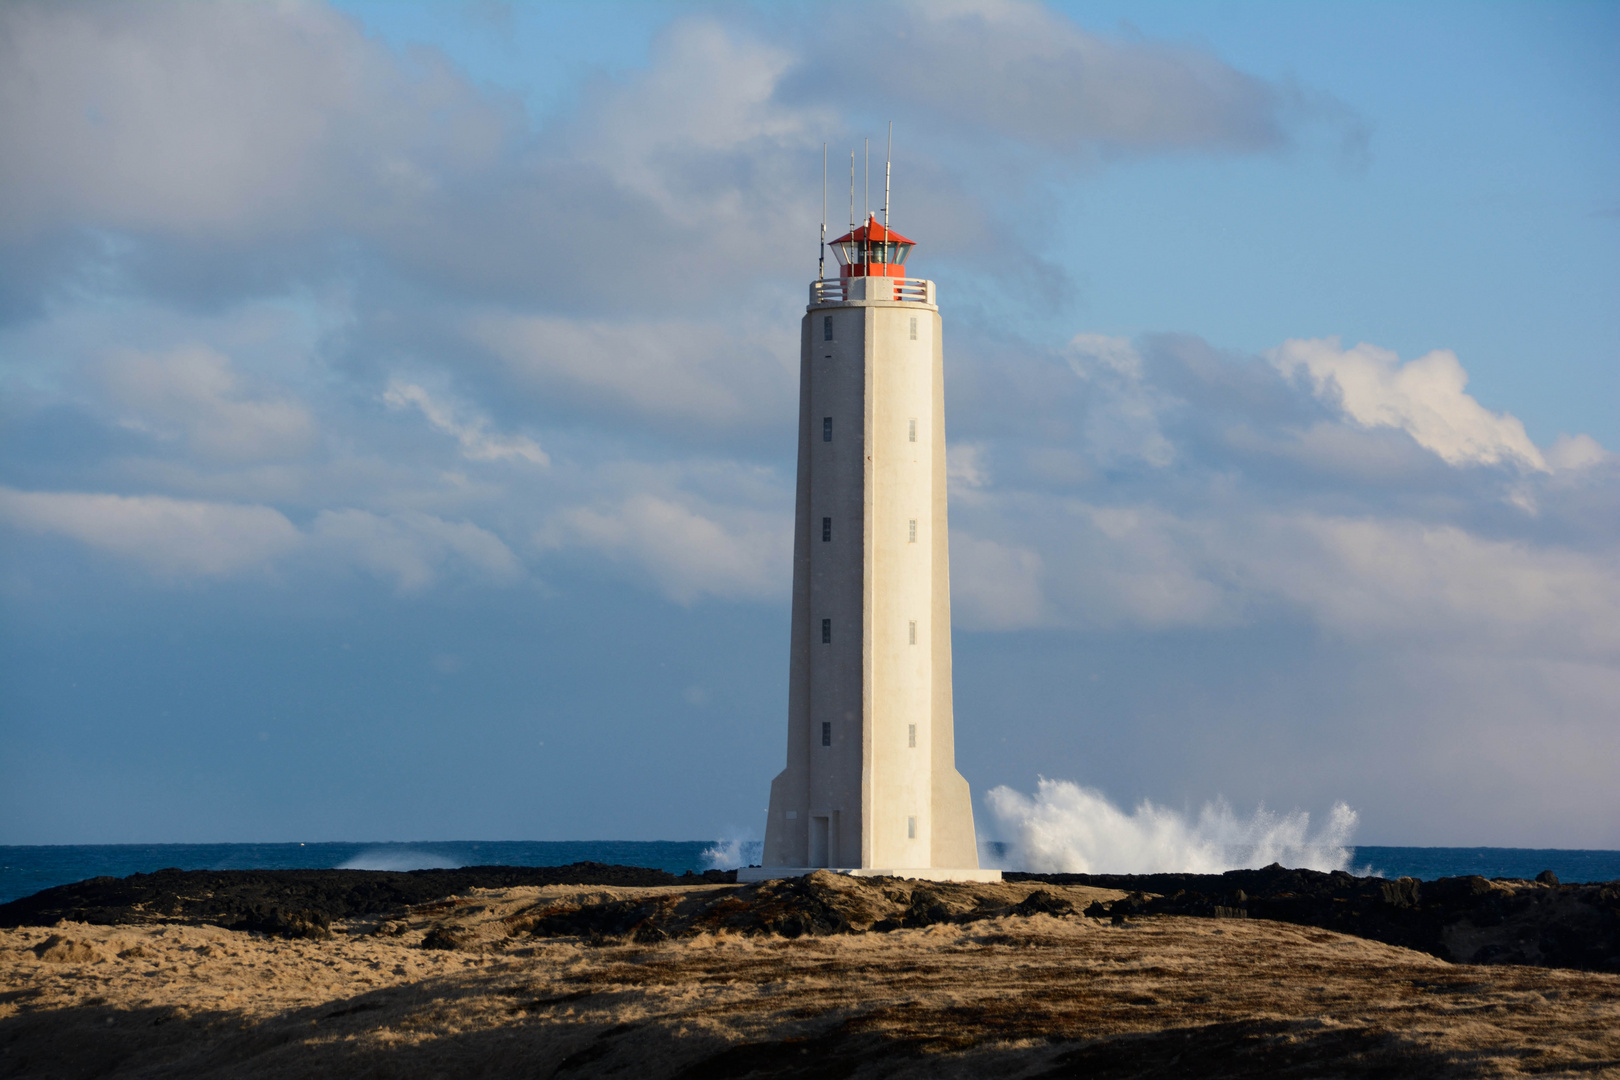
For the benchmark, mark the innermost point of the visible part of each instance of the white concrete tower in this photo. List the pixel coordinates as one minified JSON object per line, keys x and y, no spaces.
{"x":871,"y":785}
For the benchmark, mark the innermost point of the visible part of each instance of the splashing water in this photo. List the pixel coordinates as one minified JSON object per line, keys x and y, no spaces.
{"x":733,"y":852}
{"x":399,"y":859}
{"x":1069,"y":829}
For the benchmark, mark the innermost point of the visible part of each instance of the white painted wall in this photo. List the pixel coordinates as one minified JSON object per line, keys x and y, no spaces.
{"x":871,"y":683}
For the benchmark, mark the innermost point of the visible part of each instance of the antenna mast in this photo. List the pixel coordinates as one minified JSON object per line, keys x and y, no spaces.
{"x":887,"y":162}
{"x":821,"y":262}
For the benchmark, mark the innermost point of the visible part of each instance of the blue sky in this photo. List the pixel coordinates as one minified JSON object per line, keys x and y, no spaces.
{"x":398,"y":406}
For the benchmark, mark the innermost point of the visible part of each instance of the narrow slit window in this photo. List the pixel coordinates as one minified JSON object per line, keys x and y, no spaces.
{"x":826,"y":529}
{"x":911,"y":736}
{"x":826,"y":631}
{"x":913,"y":631}
{"x":914,"y":328}
{"x":911,"y":534}
{"x":911,"y":430}
{"x":911,"y":828}
{"x":826,"y":429}
{"x":826,"y":328}
{"x":826,"y":733}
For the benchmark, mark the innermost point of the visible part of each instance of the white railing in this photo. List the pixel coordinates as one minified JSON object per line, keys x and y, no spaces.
{"x":915,"y":290}
{"x":841,"y":290}
{"x":826,"y":291}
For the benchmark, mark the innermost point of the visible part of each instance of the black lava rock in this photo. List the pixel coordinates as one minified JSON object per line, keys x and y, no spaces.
{"x":301,"y":903}
{"x":1462,"y":919}
{"x":1041,"y":902}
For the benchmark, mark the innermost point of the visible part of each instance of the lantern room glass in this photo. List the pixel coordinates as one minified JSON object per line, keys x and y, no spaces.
{"x":850,"y":253}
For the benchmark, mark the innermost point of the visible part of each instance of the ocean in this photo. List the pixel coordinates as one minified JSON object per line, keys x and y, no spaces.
{"x":26,"y":870}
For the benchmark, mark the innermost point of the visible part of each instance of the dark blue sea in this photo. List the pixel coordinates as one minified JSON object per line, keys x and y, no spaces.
{"x":26,"y":870}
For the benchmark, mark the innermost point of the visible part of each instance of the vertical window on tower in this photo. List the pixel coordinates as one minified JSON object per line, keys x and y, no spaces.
{"x":914,"y":328}
{"x":826,"y":328}
{"x":826,"y":631}
{"x":911,"y":828}
{"x":826,"y":529}
{"x":911,"y":430}
{"x":826,"y":429}
{"x":826,"y":733}
{"x":911,"y":536}
{"x":913,"y":631}
{"x":911,"y":736}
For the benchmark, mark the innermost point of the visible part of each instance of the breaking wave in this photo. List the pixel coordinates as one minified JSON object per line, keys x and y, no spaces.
{"x":733,"y":852}
{"x":1065,"y":828}
{"x":383,"y":858}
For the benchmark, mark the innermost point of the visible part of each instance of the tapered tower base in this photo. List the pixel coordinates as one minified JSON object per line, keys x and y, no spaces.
{"x":751,"y":874}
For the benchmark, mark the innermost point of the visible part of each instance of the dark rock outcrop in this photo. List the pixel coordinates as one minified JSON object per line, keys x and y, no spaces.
{"x":816,"y":905}
{"x":1462,"y":919}
{"x":299,"y":903}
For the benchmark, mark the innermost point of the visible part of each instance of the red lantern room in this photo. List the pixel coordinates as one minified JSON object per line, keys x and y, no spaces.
{"x":873,"y":250}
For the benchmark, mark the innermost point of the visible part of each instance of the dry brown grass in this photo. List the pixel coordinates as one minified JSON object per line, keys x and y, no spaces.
{"x":1016,"y":996}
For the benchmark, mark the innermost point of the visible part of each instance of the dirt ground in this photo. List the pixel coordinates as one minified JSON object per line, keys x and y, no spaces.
{"x":1010,"y":996}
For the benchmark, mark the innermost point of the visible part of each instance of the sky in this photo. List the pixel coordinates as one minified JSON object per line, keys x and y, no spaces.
{"x":397,"y":428}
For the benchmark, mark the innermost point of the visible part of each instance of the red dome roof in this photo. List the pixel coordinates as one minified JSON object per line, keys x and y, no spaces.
{"x":874,"y":231}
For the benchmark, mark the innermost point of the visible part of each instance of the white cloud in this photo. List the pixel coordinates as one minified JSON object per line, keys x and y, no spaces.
{"x":1375,"y":581}
{"x":229,"y":119}
{"x":709,"y":93}
{"x":172,"y":538}
{"x":1142,"y":566}
{"x":477,"y":442}
{"x":1577,"y":452}
{"x":965,"y":467}
{"x":700,"y":371}
{"x":1334,"y":449}
{"x":177,"y":539}
{"x":1123,"y":421}
{"x":190,"y":136}
{"x":1262,"y":507}
{"x":412,"y":548}
{"x":1424,"y":397}
{"x":1008,"y":69}
{"x":689,"y":549}
{"x":994,"y":586}
{"x":1440,"y":586}
{"x":194,"y":392}
{"x":1066,"y":562}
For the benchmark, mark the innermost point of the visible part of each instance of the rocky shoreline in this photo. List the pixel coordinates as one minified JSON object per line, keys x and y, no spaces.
{"x":1467,"y":920}
{"x":301,"y":903}
{"x":345,"y":973}
{"x":1463,"y":920}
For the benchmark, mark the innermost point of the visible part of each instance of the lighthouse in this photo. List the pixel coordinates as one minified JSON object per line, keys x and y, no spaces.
{"x":871,"y":786}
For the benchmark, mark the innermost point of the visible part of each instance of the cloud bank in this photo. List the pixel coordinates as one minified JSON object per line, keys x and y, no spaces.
{"x":286,"y":308}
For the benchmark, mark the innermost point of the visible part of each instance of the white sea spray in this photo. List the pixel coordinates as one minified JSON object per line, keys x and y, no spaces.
{"x":392,"y":858}
{"x":732,"y":851}
{"x":1066,"y":828}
